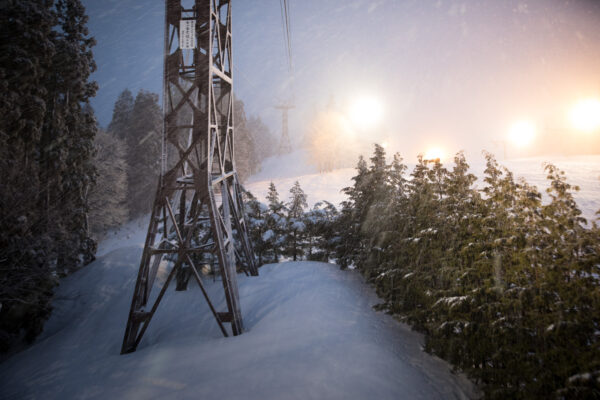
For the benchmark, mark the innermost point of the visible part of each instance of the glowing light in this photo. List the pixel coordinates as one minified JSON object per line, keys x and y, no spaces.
{"x":585,"y":115}
{"x":522,"y":133}
{"x":365,"y":112}
{"x":434,"y":153}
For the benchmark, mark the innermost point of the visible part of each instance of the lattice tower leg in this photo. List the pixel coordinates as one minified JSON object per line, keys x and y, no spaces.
{"x":198,"y":208}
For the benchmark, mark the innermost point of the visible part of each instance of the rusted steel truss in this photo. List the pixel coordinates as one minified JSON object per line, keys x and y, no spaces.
{"x":198,"y":210}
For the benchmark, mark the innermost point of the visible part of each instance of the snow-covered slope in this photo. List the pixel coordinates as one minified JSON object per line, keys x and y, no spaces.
{"x":284,"y":170}
{"x":311,"y":334}
{"x":583,"y":171}
{"x":311,"y":331}
{"x":131,"y":234}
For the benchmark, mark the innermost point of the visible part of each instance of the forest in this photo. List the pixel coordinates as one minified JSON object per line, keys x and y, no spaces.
{"x":46,"y":157}
{"x":503,"y":285}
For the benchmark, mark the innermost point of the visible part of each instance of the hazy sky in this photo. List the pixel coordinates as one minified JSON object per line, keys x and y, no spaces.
{"x":453,"y":74}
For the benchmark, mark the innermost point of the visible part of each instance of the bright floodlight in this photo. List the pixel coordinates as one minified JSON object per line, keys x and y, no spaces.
{"x":522,"y":133}
{"x":366,"y":112}
{"x":585,"y":115}
{"x":434,"y":153}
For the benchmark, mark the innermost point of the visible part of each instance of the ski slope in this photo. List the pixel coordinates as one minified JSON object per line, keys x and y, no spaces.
{"x":583,"y":171}
{"x":311,"y":333}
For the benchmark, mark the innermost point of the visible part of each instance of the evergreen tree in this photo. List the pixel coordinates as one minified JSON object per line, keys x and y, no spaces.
{"x":351,"y":215}
{"x":143,"y":153}
{"x":246,"y":160}
{"x":295,"y":227}
{"x":256,"y":214}
{"x":365,"y":217}
{"x":108,"y":205}
{"x":121,"y":117}
{"x":25,"y":60}
{"x":378,"y":203}
{"x":67,"y":138}
{"x":462,"y":207}
{"x":389,"y":269}
{"x":397,"y":179}
{"x":297,"y":202}
{"x":25,"y":279}
{"x":322,"y":236}
{"x":275,"y":223}
{"x":262,"y":138}
{"x":46,"y":170}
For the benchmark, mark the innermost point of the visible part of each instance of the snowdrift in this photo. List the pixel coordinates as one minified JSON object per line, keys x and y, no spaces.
{"x":311,"y":333}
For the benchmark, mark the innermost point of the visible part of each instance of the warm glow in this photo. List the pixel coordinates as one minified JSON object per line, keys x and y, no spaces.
{"x":365,"y":112}
{"x":332,"y":141}
{"x":434,"y":153}
{"x":585,"y":115}
{"x":522,"y":133}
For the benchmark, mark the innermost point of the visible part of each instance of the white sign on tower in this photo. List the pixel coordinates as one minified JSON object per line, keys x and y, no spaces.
{"x":187,"y":34}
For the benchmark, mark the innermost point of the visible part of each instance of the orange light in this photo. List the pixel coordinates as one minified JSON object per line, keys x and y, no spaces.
{"x":365,"y":112}
{"x":585,"y":115}
{"x":434,"y":153}
{"x":522,"y":133}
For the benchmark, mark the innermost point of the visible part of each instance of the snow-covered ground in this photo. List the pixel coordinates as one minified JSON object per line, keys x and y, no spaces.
{"x":131,"y":234}
{"x":284,"y":170}
{"x":311,"y":330}
{"x":583,"y":171}
{"x":311,"y":333}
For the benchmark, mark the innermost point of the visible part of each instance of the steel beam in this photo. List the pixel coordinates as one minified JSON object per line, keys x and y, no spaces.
{"x":198,"y":196}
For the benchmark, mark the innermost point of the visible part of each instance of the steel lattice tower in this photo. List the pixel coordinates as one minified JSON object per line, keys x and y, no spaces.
{"x":198,"y":209}
{"x":285,"y":145}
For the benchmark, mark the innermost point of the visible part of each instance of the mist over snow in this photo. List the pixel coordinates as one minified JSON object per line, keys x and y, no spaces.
{"x":284,"y":170}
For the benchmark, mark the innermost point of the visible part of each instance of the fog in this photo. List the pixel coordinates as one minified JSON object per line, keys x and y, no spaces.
{"x":455,"y":75}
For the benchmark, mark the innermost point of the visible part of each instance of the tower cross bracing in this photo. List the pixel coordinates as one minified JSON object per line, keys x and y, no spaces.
{"x":197,"y":216}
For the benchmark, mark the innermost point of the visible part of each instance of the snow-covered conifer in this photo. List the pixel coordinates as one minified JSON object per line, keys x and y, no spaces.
{"x":294,"y":240}
{"x":108,"y":202}
{"x":274,"y":234}
{"x":121,"y":117}
{"x":143,"y":153}
{"x":256,"y":215}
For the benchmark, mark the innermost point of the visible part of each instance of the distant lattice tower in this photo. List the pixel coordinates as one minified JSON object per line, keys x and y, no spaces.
{"x":198,"y":210}
{"x":285,"y":145}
